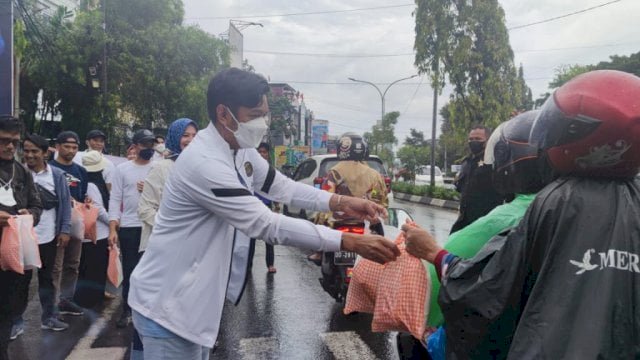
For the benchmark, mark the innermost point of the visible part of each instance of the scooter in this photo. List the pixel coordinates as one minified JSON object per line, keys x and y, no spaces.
{"x":337,"y":266}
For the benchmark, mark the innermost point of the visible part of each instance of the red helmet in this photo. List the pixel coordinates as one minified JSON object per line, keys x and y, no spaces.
{"x":591,"y":126}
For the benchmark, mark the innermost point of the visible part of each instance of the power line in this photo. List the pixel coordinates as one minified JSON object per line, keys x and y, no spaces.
{"x":298,"y":14}
{"x":414,"y":94}
{"x":355,"y":55}
{"x":563,"y":16}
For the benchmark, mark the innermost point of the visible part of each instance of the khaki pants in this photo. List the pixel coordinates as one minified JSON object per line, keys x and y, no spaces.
{"x":65,"y":270}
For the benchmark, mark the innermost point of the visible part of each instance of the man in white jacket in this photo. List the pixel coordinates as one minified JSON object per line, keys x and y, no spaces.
{"x":198,"y":251}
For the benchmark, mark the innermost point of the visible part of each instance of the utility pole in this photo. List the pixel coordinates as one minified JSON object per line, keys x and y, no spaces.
{"x":105,"y":89}
{"x":434,"y":121}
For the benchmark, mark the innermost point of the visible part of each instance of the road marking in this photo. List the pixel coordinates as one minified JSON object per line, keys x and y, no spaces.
{"x":258,"y":348}
{"x":346,"y":345}
{"x":83,"y":350}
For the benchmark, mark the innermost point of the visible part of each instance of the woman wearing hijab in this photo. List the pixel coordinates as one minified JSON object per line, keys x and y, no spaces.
{"x":179,"y":135}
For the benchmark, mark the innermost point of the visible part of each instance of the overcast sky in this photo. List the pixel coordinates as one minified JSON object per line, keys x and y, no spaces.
{"x":584,"y":38}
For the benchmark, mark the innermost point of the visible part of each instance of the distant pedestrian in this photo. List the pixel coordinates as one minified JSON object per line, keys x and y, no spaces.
{"x":92,"y":274}
{"x":54,"y":227}
{"x":124,"y":224}
{"x":181,"y":132}
{"x":95,"y":140}
{"x":264,"y":150}
{"x":477,"y":195}
{"x":18,"y":195}
{"x":68,"y":257}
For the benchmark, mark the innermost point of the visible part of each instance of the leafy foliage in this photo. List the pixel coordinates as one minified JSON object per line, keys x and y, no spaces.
{"x":158,"y":69}
{"x":415,"y":153}
{"x":282,"y":115}
{"x":382,"y":136}
{"x":467,"y":43}
{"x":436,"y":192}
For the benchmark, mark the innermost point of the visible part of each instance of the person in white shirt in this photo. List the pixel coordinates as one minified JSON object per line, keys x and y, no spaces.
{"x":92,"y":272}
{"x":95,"y":140}
{"x":54,"y":226}
{"x":124,"y":224}
{"x":199,"y":247}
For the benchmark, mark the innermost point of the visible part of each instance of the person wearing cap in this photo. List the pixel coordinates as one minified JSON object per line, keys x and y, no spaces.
{"x":68,"y":257}
{"x":95,"y":140}
{"x":54,"y":227}
{"x":124,"y":223}
{"x":92,"y":274}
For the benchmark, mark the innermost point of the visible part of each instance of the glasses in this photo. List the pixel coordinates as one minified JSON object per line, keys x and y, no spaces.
{"x":4,"y":141}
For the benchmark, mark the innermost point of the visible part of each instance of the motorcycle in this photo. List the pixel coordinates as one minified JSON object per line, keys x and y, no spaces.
{"x":337,"y":267}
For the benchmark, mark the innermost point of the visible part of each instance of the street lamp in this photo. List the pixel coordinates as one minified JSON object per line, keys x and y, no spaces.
{"x":382,"y":94}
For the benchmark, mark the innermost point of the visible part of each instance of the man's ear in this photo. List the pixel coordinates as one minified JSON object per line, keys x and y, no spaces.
{"x":222,"y":113}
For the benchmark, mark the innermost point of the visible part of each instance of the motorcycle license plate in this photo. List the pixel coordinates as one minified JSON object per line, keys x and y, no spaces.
{"x":344,"y":258}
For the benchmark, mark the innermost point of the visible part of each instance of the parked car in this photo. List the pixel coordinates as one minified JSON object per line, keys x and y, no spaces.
{"x":423,"y":176}
{"x":313,"y":170}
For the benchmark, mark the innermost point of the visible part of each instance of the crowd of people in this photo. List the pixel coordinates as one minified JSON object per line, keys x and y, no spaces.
{"x":544,"y":190}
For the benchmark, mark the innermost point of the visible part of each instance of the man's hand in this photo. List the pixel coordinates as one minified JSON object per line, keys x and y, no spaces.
{"x":140,"y":186}
{"x":63,"y":239}
{"x":373,"y":247}
{"x":357,"y":208}
{"x":4,"y":218}
{"x":24,"y":212}
{"x":420,"y":243}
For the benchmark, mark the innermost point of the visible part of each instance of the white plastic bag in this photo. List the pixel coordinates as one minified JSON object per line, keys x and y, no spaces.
{"x":29,"y":242}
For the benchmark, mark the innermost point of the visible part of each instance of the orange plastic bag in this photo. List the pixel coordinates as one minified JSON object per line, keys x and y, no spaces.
{"x":403,"y":296}
{"x":361,"y":296}
{"x":397,"y":293}
{"x":11,"y":257}
{"x":90,"y":218}
{"x":114,"y":269}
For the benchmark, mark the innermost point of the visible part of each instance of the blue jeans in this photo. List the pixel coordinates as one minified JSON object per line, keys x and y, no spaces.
{"x":161,"y":344}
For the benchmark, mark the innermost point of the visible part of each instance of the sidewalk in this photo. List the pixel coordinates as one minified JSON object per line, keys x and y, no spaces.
{"x":446,"y":204}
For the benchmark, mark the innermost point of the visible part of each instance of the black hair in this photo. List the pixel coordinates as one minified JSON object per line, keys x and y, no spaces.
{"x":159,"y":137}
{"x":264,"y":145}
{"x":235,"y":88}
{"x":38,"y":141}
{"x":10,"y":124}
{"x":487,"y":130}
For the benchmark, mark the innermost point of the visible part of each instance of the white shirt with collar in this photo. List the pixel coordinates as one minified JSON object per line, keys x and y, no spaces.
{"x":205,"y":220}
{"x":46,"y":228}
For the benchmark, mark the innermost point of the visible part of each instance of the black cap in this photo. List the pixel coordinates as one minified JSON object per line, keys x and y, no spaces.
{"x":68,"y":137}
{"x":96,"y":133}
{"x":143,"y":135}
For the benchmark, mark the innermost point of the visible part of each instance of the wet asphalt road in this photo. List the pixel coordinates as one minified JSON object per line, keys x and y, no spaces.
{"x":285,"y":315}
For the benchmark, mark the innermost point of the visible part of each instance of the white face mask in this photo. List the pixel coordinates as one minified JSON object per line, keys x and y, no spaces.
{"x":160,"y":148}
{"x":250,"y":133}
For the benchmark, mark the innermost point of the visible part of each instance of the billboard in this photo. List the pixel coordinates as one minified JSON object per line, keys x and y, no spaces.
{"x":235,"y":43}
{"x":6,"y":57}
{"x":290,"y":155}
{"x":319,"y":136}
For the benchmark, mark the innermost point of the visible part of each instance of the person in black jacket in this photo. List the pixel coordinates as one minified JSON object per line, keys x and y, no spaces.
{"x":565,"y":283}
{"x":473,"y":182}
{"x":18,"y":196}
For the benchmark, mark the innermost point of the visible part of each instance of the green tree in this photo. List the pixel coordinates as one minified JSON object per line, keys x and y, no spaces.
{"x":467,"y":43}
{"x":158,"y":69}
{"x":382,"y":137}
{"x":282,"y":115}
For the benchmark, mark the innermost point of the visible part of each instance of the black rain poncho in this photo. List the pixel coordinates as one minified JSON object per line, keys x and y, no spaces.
{"x":564,"y":284}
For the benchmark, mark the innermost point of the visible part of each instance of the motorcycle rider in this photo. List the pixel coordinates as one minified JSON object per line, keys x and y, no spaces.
{"x":526,"y":293}
{"x":352,"y":176}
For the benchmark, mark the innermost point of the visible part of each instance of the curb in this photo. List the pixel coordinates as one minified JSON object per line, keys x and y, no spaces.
{"x":447,"y":204}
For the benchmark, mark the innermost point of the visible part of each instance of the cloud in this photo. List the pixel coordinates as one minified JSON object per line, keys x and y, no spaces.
{"x":540,"y":48}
